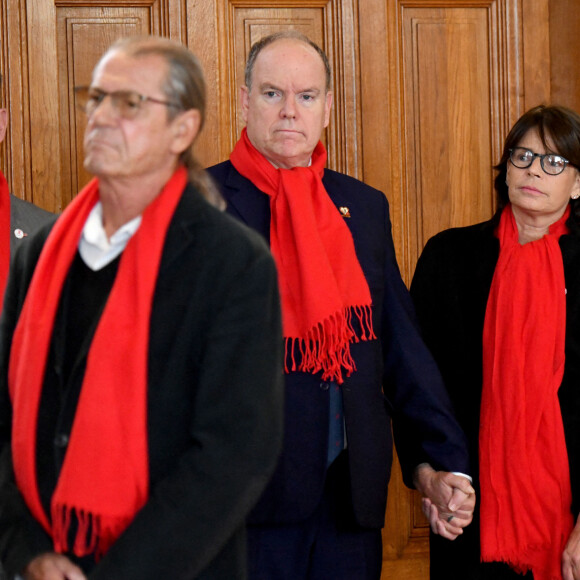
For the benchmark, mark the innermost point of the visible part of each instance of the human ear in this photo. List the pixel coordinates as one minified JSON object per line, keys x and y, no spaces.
{"x":327,"y":106}
{"x":575,"y":193}
{"x":185,"y":129}
{"x":244,"y":102}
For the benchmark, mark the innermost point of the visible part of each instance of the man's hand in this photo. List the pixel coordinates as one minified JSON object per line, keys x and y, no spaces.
{"x":448,"y":500}
{"x":51,"y":566}
{"x":571,"y":555}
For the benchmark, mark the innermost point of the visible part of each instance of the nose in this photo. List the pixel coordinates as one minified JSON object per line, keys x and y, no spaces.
{"x":536,"y":167}
{"x":288,"y":110}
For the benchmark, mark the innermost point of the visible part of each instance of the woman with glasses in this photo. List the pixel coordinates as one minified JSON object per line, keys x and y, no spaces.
{"x":499,"y":306}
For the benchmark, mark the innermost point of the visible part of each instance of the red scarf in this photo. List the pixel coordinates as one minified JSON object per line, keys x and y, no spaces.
{"x":4,"y":233}
{"x":322,"y":285}
{"x":524,"y":472}
{"x":104,"y":479}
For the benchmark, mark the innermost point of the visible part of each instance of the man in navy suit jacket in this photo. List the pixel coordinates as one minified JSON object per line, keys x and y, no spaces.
{"x":321,"y":515}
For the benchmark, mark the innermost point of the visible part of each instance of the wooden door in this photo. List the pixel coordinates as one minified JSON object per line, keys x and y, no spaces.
{"x":425,"y":91}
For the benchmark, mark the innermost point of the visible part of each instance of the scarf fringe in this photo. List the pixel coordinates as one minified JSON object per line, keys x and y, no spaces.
{"x":95,"y":534}
{"x":326,"y":346}
{"x":522,"y":565}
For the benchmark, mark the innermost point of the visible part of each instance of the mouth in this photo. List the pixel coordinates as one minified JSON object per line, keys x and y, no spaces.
{"x":531,"y":190}
{"x":289,"y":132}
{"x":97,"y":142}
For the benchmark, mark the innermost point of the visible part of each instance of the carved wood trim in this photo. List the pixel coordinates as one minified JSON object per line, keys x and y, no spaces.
{"x":17,"y":163}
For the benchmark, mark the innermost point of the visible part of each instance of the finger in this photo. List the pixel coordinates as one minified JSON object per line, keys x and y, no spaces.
{"x":434,"y":518}
{"x":447,"y":531}
{"x":461,"y":518}
{"x":68,"y":570}
{"x":426,"y":506}
{"x":455,"y":525}
{"x":458,"y":481}
{"x":71,"y":571}
{"x":567,"y":573}
{"x":458,"y":498}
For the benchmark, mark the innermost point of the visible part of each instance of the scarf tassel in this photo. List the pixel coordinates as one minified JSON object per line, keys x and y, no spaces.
{"x":517,"y":564}
{"x":94,"y":534}
{"x":326,"y":346}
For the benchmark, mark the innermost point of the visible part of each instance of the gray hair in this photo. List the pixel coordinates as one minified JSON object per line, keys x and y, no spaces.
{"x":184,"y":85}
{"x":257,"y":47}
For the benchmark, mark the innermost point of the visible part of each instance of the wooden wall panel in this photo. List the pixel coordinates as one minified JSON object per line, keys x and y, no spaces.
{"x":16,"y":99}
{"x":564,"y":55}
{"x":481,"y":84}
{"x":459,"y":78}
{"x":448,"y":117}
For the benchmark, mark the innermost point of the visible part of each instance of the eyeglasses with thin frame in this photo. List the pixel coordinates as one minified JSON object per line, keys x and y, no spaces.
{"x":127,"y":104}
{"x":551,"y":163}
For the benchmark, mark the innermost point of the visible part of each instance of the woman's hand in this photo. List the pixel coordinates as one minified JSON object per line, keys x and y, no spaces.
{"x":571,"y":555}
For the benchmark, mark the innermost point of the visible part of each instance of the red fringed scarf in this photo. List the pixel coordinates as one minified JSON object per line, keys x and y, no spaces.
{"x":4,"y":234}
{"x":321,"y":282}
{"x":104,"y":479}
{"x":524,"y":472}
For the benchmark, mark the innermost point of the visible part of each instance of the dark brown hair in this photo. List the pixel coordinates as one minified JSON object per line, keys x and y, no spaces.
{"x":559,"y":130}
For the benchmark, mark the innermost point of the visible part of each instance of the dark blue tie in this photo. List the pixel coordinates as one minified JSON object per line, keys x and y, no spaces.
{"x":335,"y":423}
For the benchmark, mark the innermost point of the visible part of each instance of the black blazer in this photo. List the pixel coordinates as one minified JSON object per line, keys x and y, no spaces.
{"x":396,"y":376}
{"x":25,"y":219}
{"x":450,"y":290}
{"x":214,"y":404}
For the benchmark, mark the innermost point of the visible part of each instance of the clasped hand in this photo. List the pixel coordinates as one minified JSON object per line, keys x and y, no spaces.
{"x":448,"y":500}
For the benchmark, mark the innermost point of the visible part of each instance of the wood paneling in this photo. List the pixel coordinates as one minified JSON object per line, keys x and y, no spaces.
{"x":453,"y":86}
{"x":564,"y":55}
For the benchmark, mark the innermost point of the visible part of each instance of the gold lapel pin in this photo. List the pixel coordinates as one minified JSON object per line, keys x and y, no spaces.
{"x":345,"y":212}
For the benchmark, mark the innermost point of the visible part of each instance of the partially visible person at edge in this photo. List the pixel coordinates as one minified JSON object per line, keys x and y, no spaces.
{"x":18,"y":218}
{"x":354,"y":357}
{"x":499,"y":305}
{"x":140,"y":351}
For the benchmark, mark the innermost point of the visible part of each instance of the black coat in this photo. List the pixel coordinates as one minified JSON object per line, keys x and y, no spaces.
{"x":396,"y":377}
{"x":450,"y":290}
{"x":214,"y":404}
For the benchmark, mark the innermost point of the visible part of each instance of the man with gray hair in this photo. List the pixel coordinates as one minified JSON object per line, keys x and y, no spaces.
{"x":140,"y":351}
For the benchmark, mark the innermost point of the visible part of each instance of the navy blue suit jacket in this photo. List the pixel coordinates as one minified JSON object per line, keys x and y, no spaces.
{"x":396,"y":377}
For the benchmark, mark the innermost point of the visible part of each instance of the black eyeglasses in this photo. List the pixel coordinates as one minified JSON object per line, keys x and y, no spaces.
{"x":551,"y":163}
{"x":127,"y":104}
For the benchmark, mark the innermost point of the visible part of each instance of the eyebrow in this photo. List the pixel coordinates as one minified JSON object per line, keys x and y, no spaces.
{"x":272,"y":86}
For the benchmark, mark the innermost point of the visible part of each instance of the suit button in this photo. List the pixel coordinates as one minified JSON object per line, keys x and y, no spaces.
{"x":61,"y":440}
{"x":324,"y":386}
